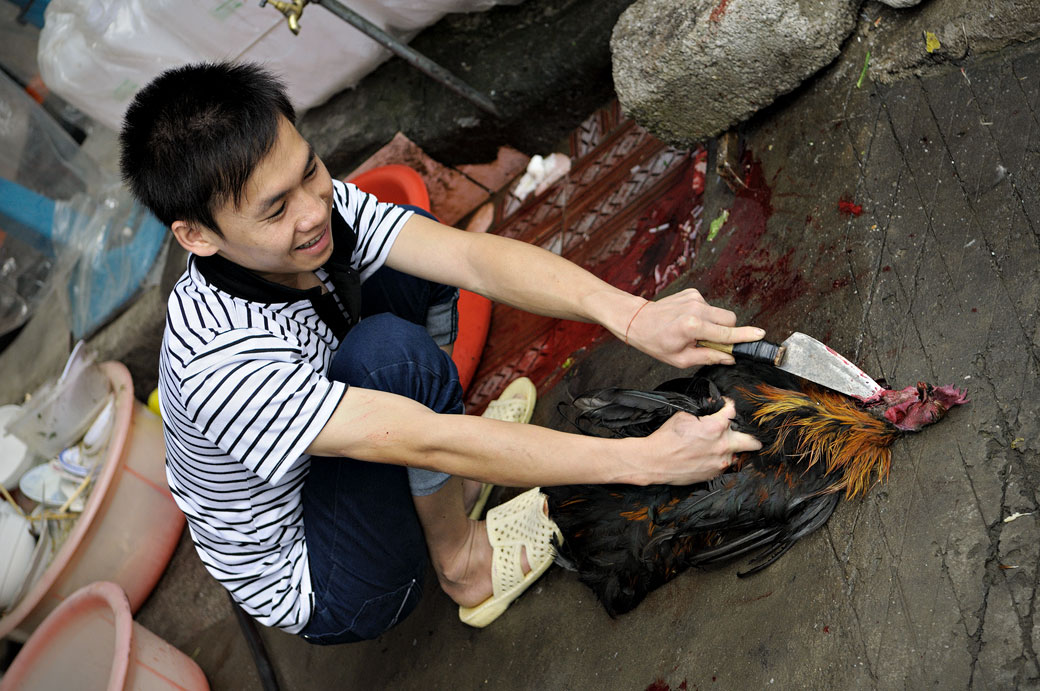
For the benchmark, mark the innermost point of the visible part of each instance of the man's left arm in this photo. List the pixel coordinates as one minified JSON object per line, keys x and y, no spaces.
{"x":536,"y":280}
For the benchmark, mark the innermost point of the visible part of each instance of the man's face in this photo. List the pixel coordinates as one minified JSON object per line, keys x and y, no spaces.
{"x":282,"y":227}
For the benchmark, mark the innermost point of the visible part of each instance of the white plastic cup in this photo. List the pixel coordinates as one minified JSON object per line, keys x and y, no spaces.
{"x":16,"y":548}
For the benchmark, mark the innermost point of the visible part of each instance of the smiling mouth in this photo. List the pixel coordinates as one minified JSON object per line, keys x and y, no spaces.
{"x":313,"y":242}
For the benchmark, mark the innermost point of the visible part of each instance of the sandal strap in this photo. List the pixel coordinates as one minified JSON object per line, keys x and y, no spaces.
{"x":509,"y":410}
{"x":518,"y":524}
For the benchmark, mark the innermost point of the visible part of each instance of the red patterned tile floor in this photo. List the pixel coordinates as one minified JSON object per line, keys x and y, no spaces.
{"x":628,"y":211}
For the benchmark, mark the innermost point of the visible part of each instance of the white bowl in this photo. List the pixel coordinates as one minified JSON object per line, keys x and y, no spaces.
{"x":14,"y":456}
{"x":47,"y":485}
{"x":16,"y":549}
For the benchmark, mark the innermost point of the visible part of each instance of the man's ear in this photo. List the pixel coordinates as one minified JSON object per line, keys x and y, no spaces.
{"x":195,"y":238}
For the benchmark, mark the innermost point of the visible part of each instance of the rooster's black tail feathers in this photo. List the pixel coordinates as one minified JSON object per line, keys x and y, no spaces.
{"x":632,"y":413}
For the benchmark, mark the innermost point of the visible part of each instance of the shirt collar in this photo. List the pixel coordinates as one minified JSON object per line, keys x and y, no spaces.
{"x":242,"y":283}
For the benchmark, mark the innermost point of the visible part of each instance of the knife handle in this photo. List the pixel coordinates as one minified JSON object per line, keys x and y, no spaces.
{"x":760,"y":351}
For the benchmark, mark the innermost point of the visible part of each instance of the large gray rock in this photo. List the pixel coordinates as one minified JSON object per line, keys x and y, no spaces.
{"x":689,"y":69}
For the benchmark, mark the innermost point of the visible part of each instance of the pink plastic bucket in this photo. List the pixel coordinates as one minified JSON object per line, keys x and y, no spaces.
{"x":129,"y":526}
{"x":90,"y":641}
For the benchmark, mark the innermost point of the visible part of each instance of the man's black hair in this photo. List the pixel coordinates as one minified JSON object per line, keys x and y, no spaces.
{"x":192,"y":137}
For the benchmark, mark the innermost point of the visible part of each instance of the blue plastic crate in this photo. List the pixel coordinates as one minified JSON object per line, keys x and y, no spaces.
{"x":32,"y":11}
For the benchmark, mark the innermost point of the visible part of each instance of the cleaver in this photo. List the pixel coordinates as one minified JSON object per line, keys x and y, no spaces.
{"x":807,"y":358}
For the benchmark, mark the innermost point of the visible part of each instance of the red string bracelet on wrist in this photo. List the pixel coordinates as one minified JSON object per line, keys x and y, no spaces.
{"x":633,"y":319}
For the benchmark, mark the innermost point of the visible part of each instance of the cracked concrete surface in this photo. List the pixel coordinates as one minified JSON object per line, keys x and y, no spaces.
{"x":923,"y":583}
{"x":942,"y":285}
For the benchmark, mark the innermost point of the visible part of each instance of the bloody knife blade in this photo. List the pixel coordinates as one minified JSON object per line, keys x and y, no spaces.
{"x":807,"y":358}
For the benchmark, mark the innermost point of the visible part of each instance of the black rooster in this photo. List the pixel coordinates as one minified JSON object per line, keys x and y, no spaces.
{"x":818,"y":445}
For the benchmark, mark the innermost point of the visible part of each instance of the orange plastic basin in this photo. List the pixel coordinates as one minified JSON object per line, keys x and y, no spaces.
{"x":400,"y":184}
{"x":396,"y":184}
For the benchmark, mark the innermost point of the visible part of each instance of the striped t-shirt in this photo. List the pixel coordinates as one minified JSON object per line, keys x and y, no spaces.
{"x":243,"y":393}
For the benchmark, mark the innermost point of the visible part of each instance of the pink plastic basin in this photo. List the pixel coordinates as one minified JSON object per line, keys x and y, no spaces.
{"x":90,"y":641}
{"x":129,"y":526}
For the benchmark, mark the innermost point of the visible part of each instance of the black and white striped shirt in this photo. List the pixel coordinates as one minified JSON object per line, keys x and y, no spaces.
{"x":243,"y":392}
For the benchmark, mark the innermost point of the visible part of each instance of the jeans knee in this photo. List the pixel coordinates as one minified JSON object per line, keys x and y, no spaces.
{"x":388,"y":353}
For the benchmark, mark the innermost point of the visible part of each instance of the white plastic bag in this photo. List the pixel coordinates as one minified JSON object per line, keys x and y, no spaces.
{"x":96,"y":54}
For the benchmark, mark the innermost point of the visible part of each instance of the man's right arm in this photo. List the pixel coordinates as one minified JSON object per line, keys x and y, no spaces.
{"x":386,"y":428}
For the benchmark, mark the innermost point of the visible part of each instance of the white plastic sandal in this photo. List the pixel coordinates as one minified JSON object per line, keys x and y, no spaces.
{"x":518,"y":525}
{"x":515,"y":404}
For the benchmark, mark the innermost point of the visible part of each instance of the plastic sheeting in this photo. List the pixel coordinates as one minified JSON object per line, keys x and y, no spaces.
{"x":96,"y":54}
{"x":36,"y":152}
{"x":65,"y":224}
{"x":107,"y":244}
{"x":38,"y":161}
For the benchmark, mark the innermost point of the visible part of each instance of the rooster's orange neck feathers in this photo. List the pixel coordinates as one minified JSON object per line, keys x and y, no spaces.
{"x":829,"y":429}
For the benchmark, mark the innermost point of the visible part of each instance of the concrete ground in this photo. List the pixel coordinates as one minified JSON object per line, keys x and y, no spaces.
{"x":931,"y":580}
{"x":924,"y":582}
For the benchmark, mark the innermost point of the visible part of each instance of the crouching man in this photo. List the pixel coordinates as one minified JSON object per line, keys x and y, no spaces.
{"x":312,"y":415}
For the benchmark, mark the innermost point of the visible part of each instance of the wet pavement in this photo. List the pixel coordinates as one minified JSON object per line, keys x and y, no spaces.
{"x":901,"y":224}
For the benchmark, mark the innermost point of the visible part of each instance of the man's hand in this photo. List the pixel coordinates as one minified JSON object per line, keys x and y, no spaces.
{"x":688,"y":449}
{"x":670,"y":328}
{"x":532,"y":279}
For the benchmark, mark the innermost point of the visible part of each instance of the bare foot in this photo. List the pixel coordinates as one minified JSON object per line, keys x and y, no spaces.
{"x":459,"y":548}
{"x":466,"y":577}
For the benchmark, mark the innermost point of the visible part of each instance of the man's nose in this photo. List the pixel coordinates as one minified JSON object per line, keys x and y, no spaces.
{"x":314,"y":212}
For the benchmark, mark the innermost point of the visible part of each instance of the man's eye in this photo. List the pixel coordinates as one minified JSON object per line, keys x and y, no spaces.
{"x":311,"y":171}
{"x":277,"y":213}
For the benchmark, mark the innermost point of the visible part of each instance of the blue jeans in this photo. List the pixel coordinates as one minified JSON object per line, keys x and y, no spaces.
{"x":366,"y":548}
